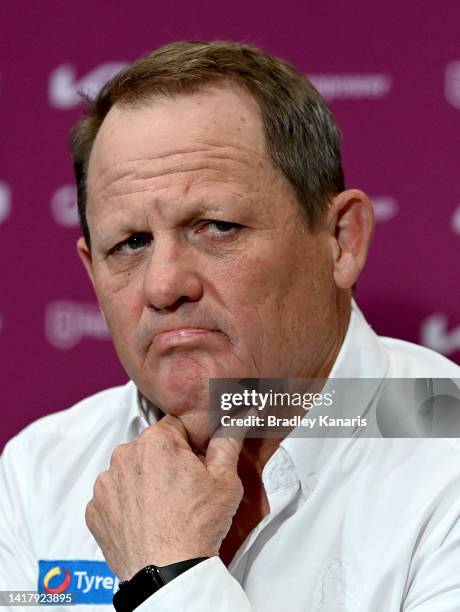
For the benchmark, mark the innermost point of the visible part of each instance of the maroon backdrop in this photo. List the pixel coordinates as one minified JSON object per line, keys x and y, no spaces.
{"x":391,"y":72}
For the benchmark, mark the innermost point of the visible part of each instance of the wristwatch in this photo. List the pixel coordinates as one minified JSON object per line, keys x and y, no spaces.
{"x":131,"y":593}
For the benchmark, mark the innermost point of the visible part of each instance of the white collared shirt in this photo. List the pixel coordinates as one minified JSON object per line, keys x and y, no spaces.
{"x":360,"y":524}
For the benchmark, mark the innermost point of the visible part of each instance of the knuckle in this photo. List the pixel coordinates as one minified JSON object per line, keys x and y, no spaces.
{"x":230,"y":485}
{"x":235,"y":488}
{"x":154,"y":432}
{"x":89,"y":514}
{"x":168,"y":428}
{"x":99,"y":485}
{"x":239,"y":488}
{"x":157,"y":437}
{"x":148,"y":432}
{"x":118,"y":454}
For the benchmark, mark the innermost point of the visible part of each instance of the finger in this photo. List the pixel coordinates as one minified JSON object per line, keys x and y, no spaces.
{"x":174,"y":426}
{"x":223,"y":453}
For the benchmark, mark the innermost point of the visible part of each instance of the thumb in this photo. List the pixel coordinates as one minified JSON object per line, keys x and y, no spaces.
{"x":223,"y":454}
{"x":224,"y":451}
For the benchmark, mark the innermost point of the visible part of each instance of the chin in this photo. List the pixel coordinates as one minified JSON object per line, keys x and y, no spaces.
{"x":193,"y":415}
{"x":182,"y":390}
{"x":183,"y":385}
{"x":179,"y":385}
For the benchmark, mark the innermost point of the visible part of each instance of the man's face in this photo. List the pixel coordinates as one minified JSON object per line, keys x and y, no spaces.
{"x":201,"y":260}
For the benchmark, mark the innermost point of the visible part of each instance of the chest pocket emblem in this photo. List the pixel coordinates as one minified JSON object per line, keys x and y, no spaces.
{"x":337,"y":589}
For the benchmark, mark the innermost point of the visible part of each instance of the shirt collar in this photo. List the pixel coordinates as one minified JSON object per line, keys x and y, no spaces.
{"x":142,"y":413}
{"x":361,"y":356}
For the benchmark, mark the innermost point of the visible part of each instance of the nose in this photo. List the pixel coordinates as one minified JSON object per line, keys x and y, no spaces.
{"x":170,"y":277}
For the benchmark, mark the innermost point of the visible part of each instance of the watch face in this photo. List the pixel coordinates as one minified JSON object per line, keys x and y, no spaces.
{"x":133,"y":592}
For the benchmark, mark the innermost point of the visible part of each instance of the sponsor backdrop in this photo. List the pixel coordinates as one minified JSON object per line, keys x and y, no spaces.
{"x":391,"y":73}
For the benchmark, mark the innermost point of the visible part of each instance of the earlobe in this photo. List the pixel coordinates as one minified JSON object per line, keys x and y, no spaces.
{"x":85,"y":255}
{"x":351,"y":230}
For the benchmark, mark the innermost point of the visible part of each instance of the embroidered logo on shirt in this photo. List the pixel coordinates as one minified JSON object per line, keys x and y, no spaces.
{"x":337,"y":589}
{"x":91,"y":582}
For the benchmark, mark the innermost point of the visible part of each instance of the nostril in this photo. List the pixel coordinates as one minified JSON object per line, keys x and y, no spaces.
{"x":173,"y":307}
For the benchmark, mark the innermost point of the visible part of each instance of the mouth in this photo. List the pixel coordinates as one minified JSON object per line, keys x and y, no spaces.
{"x":184,"y":337}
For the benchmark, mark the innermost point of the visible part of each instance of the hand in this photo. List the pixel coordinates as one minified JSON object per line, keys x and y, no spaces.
{"x":158,"y":503}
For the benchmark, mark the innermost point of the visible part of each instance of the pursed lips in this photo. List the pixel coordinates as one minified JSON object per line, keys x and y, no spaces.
{"x":182,"y":336}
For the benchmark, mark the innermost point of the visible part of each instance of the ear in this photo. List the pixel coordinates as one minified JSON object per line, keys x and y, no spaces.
{"x":351,"y":225}
{"x":85,"y":255}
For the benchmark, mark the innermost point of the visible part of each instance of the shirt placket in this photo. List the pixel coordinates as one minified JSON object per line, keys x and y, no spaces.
{"x":281,"y":484}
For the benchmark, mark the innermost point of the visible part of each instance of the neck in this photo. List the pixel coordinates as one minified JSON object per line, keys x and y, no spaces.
{"x":257,"y":451}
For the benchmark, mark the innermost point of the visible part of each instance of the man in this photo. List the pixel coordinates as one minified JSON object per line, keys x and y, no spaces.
{"x":222,"y":243}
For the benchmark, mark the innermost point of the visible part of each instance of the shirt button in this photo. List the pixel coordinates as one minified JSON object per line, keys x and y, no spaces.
{"x":311,"y":482}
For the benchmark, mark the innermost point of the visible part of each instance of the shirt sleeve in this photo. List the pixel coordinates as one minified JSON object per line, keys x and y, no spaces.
{"x":206,"y":586}
{"x":437,"y":587}
{"x":18,"y":567}
{"x":435,"y":579}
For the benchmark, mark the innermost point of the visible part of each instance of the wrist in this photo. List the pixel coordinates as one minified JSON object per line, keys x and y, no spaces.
{"x":132,"y":593}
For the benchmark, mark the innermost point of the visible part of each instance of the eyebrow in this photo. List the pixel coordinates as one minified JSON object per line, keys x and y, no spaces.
{"x":124,"y":225}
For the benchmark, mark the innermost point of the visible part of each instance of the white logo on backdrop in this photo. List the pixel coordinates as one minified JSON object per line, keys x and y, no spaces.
{"x":64,"y":87}
{"x":5,"y":201}
{"x":434,"y":334}
{"x":66,"y":323}
{"x":385,"y":208}
{"x":346,"y":86}
{"x":456,"y":221}
{"x":64,"y":207}
{"x":452,"y":83}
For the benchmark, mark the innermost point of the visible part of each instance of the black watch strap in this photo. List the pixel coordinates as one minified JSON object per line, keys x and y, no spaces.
{"x":147,"y":581}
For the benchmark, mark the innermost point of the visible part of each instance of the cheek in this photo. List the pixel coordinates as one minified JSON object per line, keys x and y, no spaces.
{"x":122,"y":305}
{"x":249,"y":299}
{"x":266,"y":281}
{"x":284,"y":289}
{"x":253,"y":301}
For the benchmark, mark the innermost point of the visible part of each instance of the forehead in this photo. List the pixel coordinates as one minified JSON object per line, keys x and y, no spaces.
{"x":223,"y":116}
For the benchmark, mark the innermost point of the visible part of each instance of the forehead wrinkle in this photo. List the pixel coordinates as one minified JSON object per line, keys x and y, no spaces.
{"x":183,"y":188}
{"x":191,"y":175}
{"x":213,"y":148}
{"x":141,"y":167}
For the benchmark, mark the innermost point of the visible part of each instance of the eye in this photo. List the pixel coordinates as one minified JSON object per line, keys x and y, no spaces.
{"x":134,"y":242}
{"x":223,"y":226}
{"x":217,"y":228}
